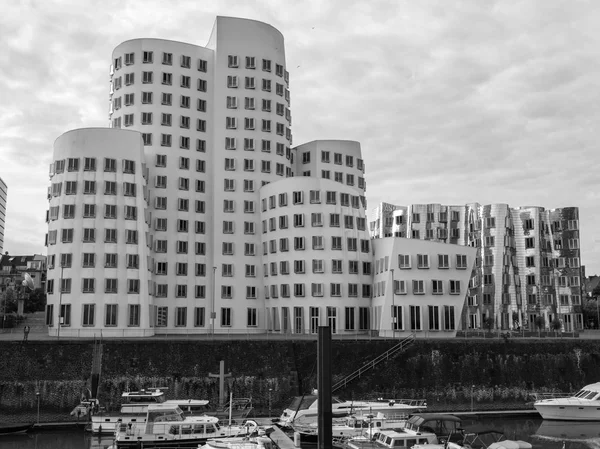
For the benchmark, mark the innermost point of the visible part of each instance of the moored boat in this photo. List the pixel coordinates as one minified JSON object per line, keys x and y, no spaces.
{"x":166,"y":426}
{"x":134,"y":406}
{"x":388,"y":439}
{"x":350,"y":426}
{"x":582,"y":406}
{"x":13,"y":428}
{"x":305,"y":408}
{"x":251,"y":442}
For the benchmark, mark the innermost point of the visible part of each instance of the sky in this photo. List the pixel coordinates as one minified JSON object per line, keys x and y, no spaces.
{"x":452,"y":101}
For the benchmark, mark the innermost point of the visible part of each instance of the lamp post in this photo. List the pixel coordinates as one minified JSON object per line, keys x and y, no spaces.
{"x":213,"y":314}
{"x":37,"y":394}
{"x":270,"y":390}
{"x":60,"y":286}
{"x":393,"y":305}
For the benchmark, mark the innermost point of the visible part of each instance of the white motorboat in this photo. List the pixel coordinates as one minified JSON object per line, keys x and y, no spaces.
{"x":349,"y":426}
{"x":167,"y":426}
{"x":583,"y":406}
{"x":134,"y":405}
{"x":305,"y":408}
{"x":388,"y":439}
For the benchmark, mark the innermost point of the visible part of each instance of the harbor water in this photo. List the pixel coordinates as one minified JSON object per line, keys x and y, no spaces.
{"x":541,"y":434}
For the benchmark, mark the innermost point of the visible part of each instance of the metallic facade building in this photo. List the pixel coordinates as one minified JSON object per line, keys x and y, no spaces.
{"x":3,"y":199}
{"x":528,"y":258}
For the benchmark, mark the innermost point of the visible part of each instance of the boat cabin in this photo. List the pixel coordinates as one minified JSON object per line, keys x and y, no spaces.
{"x":170,"y":419}
{"x":391,"y":439}
{"x":439,"y":423}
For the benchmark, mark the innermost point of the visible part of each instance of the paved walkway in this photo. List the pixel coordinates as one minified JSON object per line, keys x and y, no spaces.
{"x":39,"y":332}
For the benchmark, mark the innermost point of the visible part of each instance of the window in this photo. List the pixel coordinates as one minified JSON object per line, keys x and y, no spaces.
{"x":454,"y":287}
{"x":89,"y":187}
{"x":89,"y":235}
{"x":443,"y":261}
{"x":437,"y":287}
{"x":418,"y":287}
{"x":298,"y":290}
{"x":199,"y":313}
{"x":529,"y":242}
{"x":298,"y":267}
{"x":88,"y":314}
{"x":147,"y":77}
{"x":461,"y":262}
{"x":249,"y":123}
{"x":348,"y":222}
{"x":110,"y":285}
{"x":167,"y":79}
{"x":490,"y":240}
{"x":422,"y":261}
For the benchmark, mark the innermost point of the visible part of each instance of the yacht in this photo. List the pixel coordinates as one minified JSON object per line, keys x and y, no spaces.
{"x":166,"y":426}
{"x":305,"y":408}
{"x":134,"y":405}
{"x":583,"y":406}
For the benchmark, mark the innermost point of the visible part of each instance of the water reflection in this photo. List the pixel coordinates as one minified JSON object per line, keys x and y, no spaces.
{"x":585,"y":432}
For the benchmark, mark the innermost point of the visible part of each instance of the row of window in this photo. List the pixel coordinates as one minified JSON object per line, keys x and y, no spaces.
{"x":89,"y":236}
{"x":530,"y":279}
{"x":89,"y":211}
{"x":167,"y":59}
{"x":339,"y":177}
{"x":532,"y":299}
{"x":316,"y":221}
{"x":418,"y":287}
{"x":438,"y":318}
{"x":233,"y":61}
{"x":89,"y":188}
{"x":88,"y":285}
{"x":299,"y":290}
{"x":88,"y":260}
{"x":128,"y":79}
{"x":73,"y":164}
{"x":318,"y":243}
{"x":405,"y":262}
{"x":315,"y":197}
{"x":338,"y":159}
{"x":318,"y":266}
{"x":233,"y":82}
{"x":489,"y":222}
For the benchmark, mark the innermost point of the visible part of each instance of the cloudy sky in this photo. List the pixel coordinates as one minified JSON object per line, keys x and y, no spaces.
{"x":453,"y":101}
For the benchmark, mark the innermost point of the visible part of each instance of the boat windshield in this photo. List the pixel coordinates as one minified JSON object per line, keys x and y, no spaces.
{"x":581,"y":393}
{"x":591,"y":395}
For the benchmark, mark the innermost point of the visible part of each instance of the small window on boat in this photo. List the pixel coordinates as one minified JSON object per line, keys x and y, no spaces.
{"x":591,"y":396}
{"x":411,"y":443}
{"x":388,"y":441}
{"x":210,"y":429}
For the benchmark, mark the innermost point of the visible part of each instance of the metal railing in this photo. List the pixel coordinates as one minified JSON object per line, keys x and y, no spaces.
{"x":392,"y":352}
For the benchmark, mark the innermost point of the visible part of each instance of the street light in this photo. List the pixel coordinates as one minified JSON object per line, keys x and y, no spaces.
{"x":62,"y":269}
{"x":213,"y":314}
{"x":37,"y":394}
{"x":270,"y":390}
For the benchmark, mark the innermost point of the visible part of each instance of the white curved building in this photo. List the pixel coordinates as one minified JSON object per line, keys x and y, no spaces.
{"x":316,"y":256}
{"x":3,"y":198}
{"x":98,"y":275}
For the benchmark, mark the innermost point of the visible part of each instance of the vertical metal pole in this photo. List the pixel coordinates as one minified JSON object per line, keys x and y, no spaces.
{"x":393,"y":306}
{"x":324,"y":388}
{"x":213,"y":314}
{"x":62,"y":269}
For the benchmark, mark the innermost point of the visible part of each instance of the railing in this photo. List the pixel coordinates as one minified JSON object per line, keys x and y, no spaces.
{"x":400,"y":347}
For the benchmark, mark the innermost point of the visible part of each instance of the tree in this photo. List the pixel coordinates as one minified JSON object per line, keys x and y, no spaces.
{"x":488,"y":322}
{"x":556,"y":325}
{"x":36,"y":302}
{"x":590,"y":311}
{"x":8,"y":301}
{"x":540,"y":322}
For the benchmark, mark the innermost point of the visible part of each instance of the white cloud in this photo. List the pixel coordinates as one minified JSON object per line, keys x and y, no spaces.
{"x":453,"y":102}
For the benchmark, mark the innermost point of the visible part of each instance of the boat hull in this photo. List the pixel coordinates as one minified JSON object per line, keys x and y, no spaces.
{"x":568,"y":412}
{"x":14,"y":428}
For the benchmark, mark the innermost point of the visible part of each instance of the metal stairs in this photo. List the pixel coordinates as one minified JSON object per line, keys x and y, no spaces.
{"x":392,"y":352}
